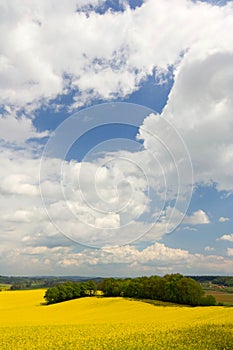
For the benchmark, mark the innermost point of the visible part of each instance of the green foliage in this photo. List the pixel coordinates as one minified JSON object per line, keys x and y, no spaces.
{"x":208,"y":300}
{"x":69,"y":290}
{"x":189,"y":292}
{"x":173,"y":288}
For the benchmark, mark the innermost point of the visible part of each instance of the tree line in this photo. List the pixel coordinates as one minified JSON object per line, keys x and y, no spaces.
{"x":70,"y":290}
{"x":226,"y":281}
{"x":172,"y":288}
{"x":21,"y":282}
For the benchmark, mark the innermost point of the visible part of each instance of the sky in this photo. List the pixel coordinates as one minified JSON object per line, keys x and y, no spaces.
{"x":116,"y":131}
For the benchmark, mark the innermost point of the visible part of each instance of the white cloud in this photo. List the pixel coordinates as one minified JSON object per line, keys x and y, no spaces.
{"x":223,"y":219}
{"x":189,"y":228}
{"x":19,"y":172}
{"x":226,"y":238}
{"x":199,"y":217}
{"x":199,"y":106}
{"x":109,"y":221}
{"x":44,"y":250}
{"x":17,"y":216}
{"x":48,"y":48}
{"x":19,"y":184}
{"x":48,"y":251}
{"x":18,"y":130}
{"x":155,"y":252}
{"x":156,"y":258}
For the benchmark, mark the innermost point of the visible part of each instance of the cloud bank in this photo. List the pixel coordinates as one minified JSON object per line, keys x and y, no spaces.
{"x":50,"y":50}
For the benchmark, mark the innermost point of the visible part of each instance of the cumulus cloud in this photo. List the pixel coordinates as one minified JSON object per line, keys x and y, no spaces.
{"x":198,"y":109}
{"x":154,"y":259}
{"x":223,"y":219}
{"x":226,"y":238}
{"x":204,"y":109}
{"x":19,"y":172}
{"x":51,"y":49}
{"x":46,"y":52}
{"x":197,"y":218}
{"x":18,"y":130}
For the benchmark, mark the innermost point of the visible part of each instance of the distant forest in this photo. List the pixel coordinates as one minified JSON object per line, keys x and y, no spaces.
{"x":17,"y":283}
{"x":50,"y":281}
{"x":226,"y":281}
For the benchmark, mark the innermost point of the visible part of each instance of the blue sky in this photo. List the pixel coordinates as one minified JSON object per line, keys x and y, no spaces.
{"x":116,"y":137}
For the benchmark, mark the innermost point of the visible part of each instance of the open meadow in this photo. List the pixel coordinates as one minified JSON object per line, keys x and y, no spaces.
{"x":109,"y":323}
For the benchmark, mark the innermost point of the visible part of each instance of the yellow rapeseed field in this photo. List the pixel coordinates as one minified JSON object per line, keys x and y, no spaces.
{"x":109,"y":323}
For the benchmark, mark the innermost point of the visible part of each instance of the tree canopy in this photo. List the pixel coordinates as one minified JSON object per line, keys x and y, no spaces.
{"x":172,"y":287}
{"x":69,"y":290}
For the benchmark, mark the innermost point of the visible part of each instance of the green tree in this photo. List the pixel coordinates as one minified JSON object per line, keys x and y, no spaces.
{"x":51,"y":295}
{"x":89,"y":287}
{"x":170,"y":289}
{"x":69,"y":290}
{"x":208,"y":300}
{"x":189,"y":291}
{"x":109,"y":287}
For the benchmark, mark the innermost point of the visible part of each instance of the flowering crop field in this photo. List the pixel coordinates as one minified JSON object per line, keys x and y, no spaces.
{"x":109,"y":323}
